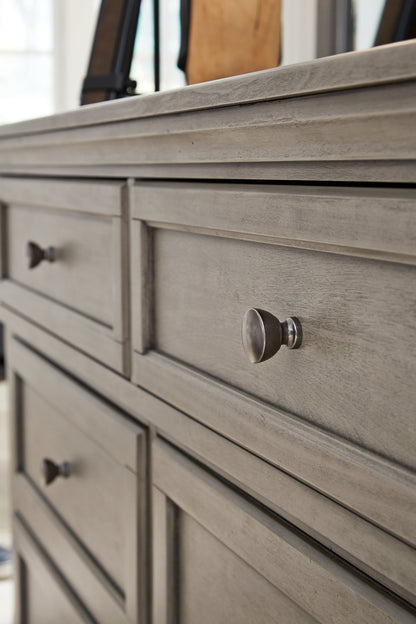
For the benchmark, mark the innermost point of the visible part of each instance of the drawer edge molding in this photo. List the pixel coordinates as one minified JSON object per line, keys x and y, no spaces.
{"x":287,"y":131}
{"x":97,"y":321}
{"x":377,"y":553}
{"x":340,"y":172}
{"x":114,"y":435}
{"x":362,"y":481}
{"x":305,"y":217}
{"x":26,"y":546}
{"x":85,"y":577}
{"x":377,"y":65}
{"x":120,"y":438}
{"x":94,"y":339}
{"x":254,"y":535}
{"x":64,"y":195}
{"x":361,"y":542}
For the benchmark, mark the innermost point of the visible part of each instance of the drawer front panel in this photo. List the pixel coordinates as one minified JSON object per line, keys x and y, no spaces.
{"x":63,"y":261}
{"x":324,"y":460}
{"x":80,"y":276}
{"x":91,"y":499}
{"x":354,"y":369}
{"x":62,"y":547}
{"x":99,"y":498}
{"x":214,"y":549}
{"x":218,"y":586}
{"x":44,"y":598}
{"x":353,"y":374}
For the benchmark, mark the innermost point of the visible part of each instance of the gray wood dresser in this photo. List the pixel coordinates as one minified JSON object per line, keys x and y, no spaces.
{"x":158,"y":474}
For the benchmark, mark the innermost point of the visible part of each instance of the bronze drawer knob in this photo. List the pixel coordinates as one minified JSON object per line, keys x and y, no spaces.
{"x":51,"y":470}
{"x":36,"y":254}
{"x":263,"y":334}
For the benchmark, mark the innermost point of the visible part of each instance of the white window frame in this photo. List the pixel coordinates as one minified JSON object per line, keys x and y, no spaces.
{"x":305,"y":37}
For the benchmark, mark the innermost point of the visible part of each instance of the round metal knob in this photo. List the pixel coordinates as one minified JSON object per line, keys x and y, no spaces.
{"x":36,"y":254}
{"x":263,"y":334}
{"x":51,"y":470}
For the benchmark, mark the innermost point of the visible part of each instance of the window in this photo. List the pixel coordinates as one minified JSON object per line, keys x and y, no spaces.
{"x":26,"y":59}
{"x":44,"y":51}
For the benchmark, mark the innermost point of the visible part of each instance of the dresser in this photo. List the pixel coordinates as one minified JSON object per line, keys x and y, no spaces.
{"x":210,"y":310}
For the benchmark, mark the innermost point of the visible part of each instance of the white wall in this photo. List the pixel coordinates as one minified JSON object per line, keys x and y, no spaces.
{"x":74,"y":28}
{"x":299,"y":32}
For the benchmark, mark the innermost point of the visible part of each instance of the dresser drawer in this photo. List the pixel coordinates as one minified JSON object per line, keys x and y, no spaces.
{"x":231,"y":561}
{"x":339,"y":260}
{"x":87,"y":461}
{"x":337,"y":414}
{"x":44,"y":598}
{"x":63,"y":260}
{"x":34,"y":516}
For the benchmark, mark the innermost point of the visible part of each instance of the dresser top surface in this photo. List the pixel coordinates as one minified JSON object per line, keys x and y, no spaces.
{"x":376,"y":66}
{"x":345,"y":118}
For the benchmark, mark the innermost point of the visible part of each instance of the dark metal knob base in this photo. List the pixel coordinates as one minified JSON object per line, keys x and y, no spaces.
{"x":52,"y":470}
{"x":292,"y":332}
{"x":36,"y":254}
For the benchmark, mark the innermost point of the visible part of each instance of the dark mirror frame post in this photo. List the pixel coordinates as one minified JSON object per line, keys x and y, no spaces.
{"x":108,"y":75}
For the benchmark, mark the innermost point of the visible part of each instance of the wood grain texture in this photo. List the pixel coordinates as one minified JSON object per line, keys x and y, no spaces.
{"x":45,"y":594}
{"x":363,"y":482}
{"x":93,"y":197}
{"x":388,"y":171}
{"x":86,"y":578}
{"x":121,"y":290}
{"x":141,"y":285}
{"x":120,"y":438}
{"x":87,"y":335}
{"x":218,"y":30}
{"x":91,"y":501}
{"x":392,"y":63}
{"x":164,"y":599}
{"x":381,"y":556}
{"x":103,"y":501}
{"x":81,"y":277}
{"x":354,"y":352}
{"x":84,"y":292}
{"x":318,"y":584}
{"x":136,"y":546}
{"x":277,"y":126}
{"x":366,"y":124}
{"x":365,"y":485}
{"x":310,"y":514}
{"x":215,"y":585}
{"x":352,"y":221}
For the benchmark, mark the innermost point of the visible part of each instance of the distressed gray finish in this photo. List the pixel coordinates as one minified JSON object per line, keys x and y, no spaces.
{"x":286,"y":133}
{"x":211,"y":523}
{"x":385,"y":64}
{"x":82,"y":294}
{"x":45,"y":596}
{"x":360,"y":222}
{"x":78,"y":276}
{"x":218,"y":250}
{"x":366,"y":483}
{"x":92,"y":197}
{"x":103,"y":501}
{"x":358,"y":332}
{"x":203,"y":488}
{"x":346,"y":118}
{"x":86,"y":578}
